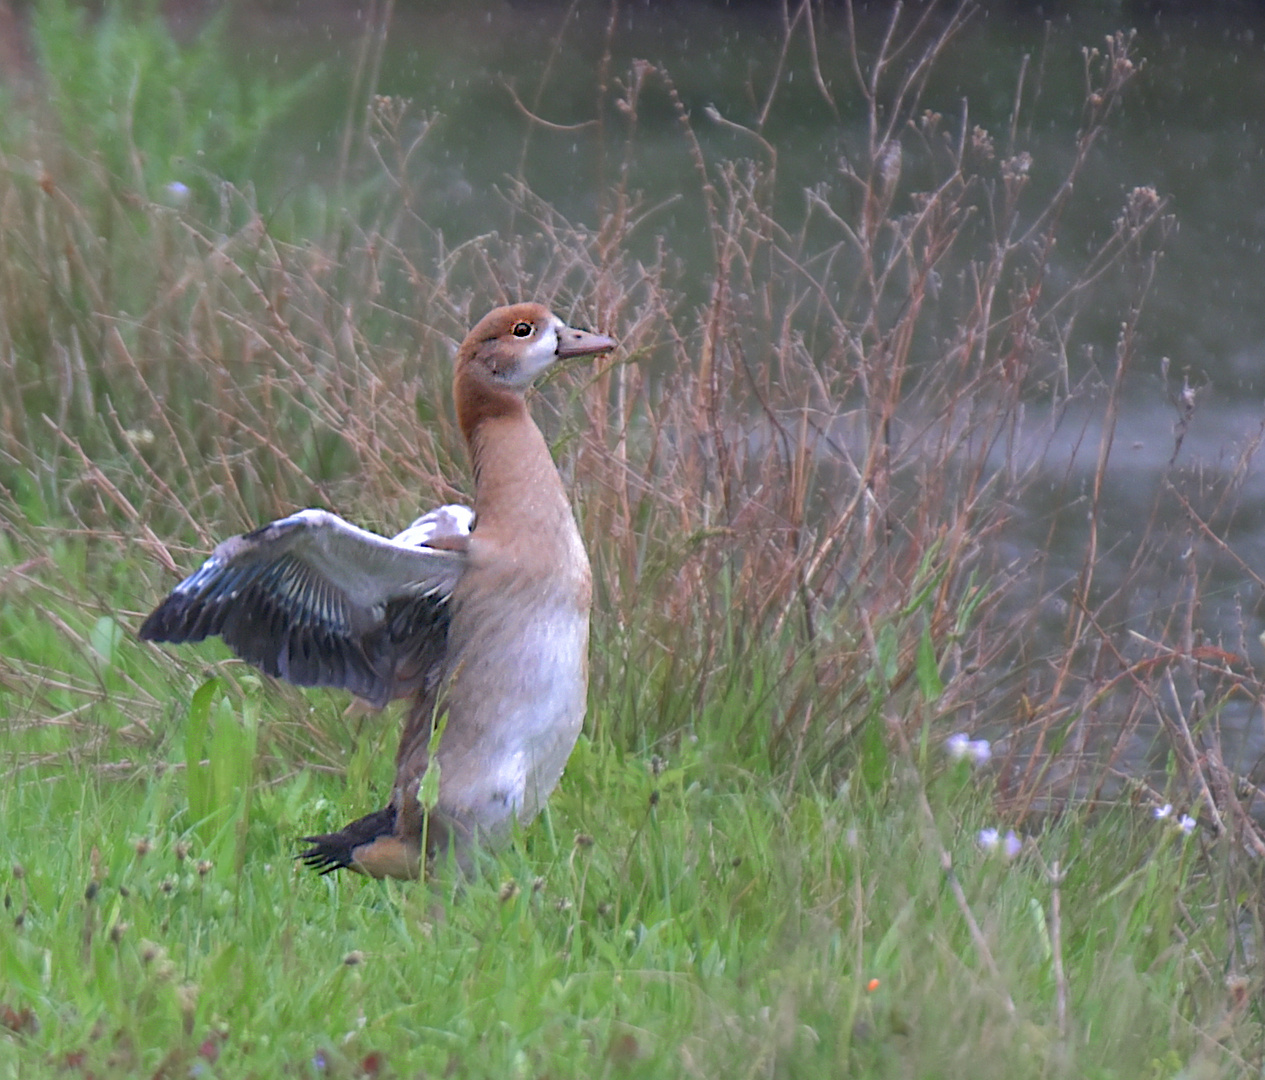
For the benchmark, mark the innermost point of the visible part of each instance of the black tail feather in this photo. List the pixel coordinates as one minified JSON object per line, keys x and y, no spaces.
{"x":334,"y":851}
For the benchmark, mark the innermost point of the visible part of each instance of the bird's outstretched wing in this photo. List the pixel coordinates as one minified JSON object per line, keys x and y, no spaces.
{"x":319,"y":602}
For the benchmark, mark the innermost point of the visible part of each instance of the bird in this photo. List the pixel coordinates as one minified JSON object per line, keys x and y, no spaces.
{"x":479,"y":615}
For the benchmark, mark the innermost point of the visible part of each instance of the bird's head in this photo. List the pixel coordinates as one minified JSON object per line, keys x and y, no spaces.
{"x":512,"y":345}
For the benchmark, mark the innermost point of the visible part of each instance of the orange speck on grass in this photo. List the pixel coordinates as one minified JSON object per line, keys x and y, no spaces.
{"x":872,"y":985}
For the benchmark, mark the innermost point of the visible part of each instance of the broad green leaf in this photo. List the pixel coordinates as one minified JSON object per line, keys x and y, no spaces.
{"x":926,"y":668}
{"x":104,"y":639}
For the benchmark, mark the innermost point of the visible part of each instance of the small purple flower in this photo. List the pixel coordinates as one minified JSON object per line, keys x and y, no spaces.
{"x":319,"y":1062}
{"x":992,"y":841}
{"x":960,"y":746}
{"x":1011,"y":845}
{"x":1185,"y":823}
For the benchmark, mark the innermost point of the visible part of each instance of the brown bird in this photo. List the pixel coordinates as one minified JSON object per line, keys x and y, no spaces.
{"x":480,"y":616}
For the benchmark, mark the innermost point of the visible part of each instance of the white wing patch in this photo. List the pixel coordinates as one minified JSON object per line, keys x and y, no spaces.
{"x":442,"y":522}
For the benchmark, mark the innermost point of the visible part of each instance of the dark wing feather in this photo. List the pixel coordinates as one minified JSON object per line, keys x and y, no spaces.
{"x":318,"y":602}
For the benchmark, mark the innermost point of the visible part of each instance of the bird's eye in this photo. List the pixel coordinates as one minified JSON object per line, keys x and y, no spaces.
{"x":522,"y":329}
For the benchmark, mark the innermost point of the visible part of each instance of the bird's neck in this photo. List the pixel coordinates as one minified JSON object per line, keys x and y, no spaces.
{"x":478,"y":402}
{"x":516,"y":485}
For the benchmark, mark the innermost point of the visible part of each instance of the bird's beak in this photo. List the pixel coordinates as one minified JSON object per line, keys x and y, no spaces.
{"x":573,"y":342}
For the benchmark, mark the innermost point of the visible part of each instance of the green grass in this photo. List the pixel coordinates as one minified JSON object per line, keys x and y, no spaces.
{"x":156,"y":112}
{"x":675,"y":913}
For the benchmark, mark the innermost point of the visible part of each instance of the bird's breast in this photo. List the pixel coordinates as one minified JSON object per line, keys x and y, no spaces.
{"x":517,"y":682}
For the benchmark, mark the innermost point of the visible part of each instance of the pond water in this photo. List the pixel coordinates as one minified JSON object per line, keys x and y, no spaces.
{"x":1193,"y":126}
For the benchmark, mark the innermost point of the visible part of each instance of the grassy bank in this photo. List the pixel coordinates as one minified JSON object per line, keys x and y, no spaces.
{"x":694,"y":923}
{"x":799,"y":496}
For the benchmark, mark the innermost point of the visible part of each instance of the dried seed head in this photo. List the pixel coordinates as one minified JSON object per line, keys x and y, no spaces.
{"x":353,"y":958}
{"x":1140,"y":206}
{"x":143,"y":847}
{"x":1016,"y":168}
{"x":1237,"y":986}
{"x":889,"y":159}
{"x":982,"y":144}
{"x":583,"y":840}
{"x":508,"y":891}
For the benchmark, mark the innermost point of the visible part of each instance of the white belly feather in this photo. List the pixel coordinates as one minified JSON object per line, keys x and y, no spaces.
{"x":516,"y":701}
